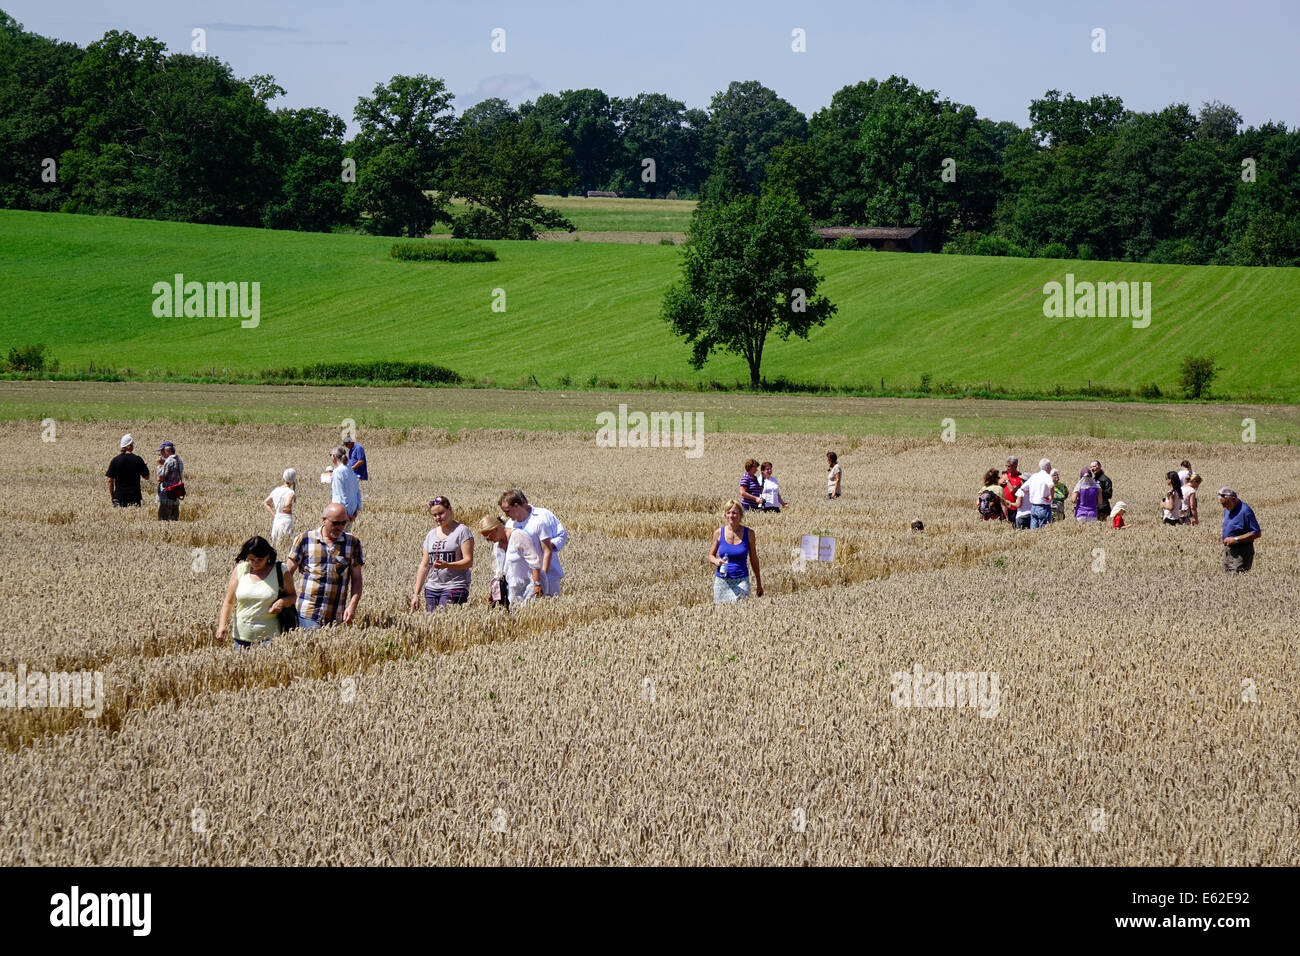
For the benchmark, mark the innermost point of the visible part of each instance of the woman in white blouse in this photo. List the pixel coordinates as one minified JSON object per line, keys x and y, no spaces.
{"x":518,"y":557}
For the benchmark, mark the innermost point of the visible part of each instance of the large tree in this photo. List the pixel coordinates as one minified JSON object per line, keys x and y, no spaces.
{"x":169,"y":137}
{"x":751,"y":120}
{"x":500,"y":169}
{"x":312,"y":190}
{"x":34,"y":77}
{"x":655,"y":127}
{"x":583,"y":120}
{"x":746,"y":273}
{"x":404,"y":152}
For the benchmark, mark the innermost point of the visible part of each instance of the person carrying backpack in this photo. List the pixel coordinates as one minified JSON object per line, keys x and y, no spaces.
{"x":989,"y":501}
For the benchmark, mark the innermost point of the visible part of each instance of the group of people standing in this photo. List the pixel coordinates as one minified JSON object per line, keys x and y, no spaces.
{"x":1031,"y":501}
{"x":1035,"y":500}
{"x":127,"y":470}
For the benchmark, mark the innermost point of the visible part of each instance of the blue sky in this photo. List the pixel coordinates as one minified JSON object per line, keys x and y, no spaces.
{"x":995,"y":56}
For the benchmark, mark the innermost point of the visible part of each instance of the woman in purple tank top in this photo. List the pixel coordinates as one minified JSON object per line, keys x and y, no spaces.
{"x":1085,"y":497}
{"x":734,"y":549}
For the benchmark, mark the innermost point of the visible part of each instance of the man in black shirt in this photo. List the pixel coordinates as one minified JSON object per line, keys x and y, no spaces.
{"x":124,"y":474}
{"x":1105,"y":489}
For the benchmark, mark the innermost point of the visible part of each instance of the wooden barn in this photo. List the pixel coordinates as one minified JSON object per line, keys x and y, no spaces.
{"x":883,"y":238}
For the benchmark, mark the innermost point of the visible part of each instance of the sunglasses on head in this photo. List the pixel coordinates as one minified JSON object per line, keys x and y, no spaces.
{"x":440,"y":500}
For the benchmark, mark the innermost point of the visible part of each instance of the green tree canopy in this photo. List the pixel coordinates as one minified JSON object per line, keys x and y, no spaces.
{"x":746,"y":273}
{"x":751,"y":121}
{"x":500,"y":169}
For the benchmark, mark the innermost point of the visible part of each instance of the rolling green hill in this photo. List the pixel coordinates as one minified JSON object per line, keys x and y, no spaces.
{"x":83,"y":286}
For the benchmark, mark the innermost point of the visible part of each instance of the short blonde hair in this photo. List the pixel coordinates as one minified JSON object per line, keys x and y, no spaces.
{"x":733,"y":503}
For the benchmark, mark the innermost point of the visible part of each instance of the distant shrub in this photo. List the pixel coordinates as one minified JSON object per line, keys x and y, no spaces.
{"x":1083,"y":251}
{"x":924,"y":387}
{"x":442,"y":252}
{"x":1174,"y":252}
{"x":845,"y":244}
{"x":1054,"y":250}
{"x":999,"y":246}
{"x":1150,"y":390}
{"x":29,"y":358}
{"x":672,"y":194}
{"x":1195,"y":375}
{"x":667,"y":241}
{"x":423,"y":372}
{"x":478,"y":223}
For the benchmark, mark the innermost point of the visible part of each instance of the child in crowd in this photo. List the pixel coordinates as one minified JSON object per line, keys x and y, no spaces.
{"x":1117,"y":512}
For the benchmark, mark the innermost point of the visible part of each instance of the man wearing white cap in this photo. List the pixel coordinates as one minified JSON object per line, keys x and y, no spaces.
{"x":124,"y":474}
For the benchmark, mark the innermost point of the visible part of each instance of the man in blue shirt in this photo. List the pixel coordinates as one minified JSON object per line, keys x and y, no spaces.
{"x":356,"y":459}
{"x":1240,"y":529}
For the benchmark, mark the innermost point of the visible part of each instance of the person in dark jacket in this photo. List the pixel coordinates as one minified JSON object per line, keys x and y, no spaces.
{"x":1104,"y":489}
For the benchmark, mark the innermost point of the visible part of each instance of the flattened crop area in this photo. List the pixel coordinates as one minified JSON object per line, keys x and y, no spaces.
{"x":1145,"y":709}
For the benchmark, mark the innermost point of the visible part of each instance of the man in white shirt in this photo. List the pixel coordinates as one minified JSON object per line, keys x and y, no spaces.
{"x":1037,"y":491}
{"x":545,"y":528}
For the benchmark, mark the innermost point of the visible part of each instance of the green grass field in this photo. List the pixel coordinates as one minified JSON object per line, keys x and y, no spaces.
{"x":82,"y":285}
{"x":457,"y":409}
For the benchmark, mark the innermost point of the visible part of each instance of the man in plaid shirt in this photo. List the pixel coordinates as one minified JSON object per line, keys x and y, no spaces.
{"x":330,"y":559}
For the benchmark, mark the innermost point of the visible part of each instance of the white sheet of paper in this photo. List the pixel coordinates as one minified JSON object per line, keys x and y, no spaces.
{"x":826,"y":549}
{"x":808,"y":547}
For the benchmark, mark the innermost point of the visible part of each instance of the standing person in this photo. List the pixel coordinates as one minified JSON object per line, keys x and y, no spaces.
{"x":1240,"y":531}
{"x":549,"y":533}
{"x":751,"y":489}
{"x":989,"y":502}
{"x":735,"y":548}
{"x":171,"y":482}
{"x":1020,"y":511}
{"x":833,"y":475}
{"x":345,"y":488}
{"x":280,"y":503}
{"x":1104,"y":489}
{"x":253,"y":595}
{"x":1086,"y":497}
{"x":1117,"y":519}
{"x":1172,"y":502}
{"x":448,"y":552}
{"x":1012,"y":479}
{"x":1060,"y":491}
{"x":356,"y":459}
{"x":1038,"y":492}
{"x":772,"y":500}
{"x":1190,"y":513}
{"x":124,"y":474}
{"x":331,"y":560}
{"x":518,"y":559}
{"x":1184,"y":471}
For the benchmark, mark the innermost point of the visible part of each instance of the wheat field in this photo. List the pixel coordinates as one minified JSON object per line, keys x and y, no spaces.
{"x":1147,"y":713}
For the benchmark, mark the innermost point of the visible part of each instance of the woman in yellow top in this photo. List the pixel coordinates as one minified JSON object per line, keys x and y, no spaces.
{"x":252,"y":594}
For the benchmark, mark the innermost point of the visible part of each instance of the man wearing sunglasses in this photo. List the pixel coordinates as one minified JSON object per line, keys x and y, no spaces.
{"x":331,"y":562}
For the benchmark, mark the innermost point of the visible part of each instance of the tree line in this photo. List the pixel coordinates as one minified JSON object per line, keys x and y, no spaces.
{"x":122,"y":127}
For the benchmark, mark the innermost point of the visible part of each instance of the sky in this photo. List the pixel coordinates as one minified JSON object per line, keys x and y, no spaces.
{"x":994,"y":56}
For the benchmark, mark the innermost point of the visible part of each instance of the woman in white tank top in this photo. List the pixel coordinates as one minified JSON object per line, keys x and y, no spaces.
{"x":280,"y":503}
